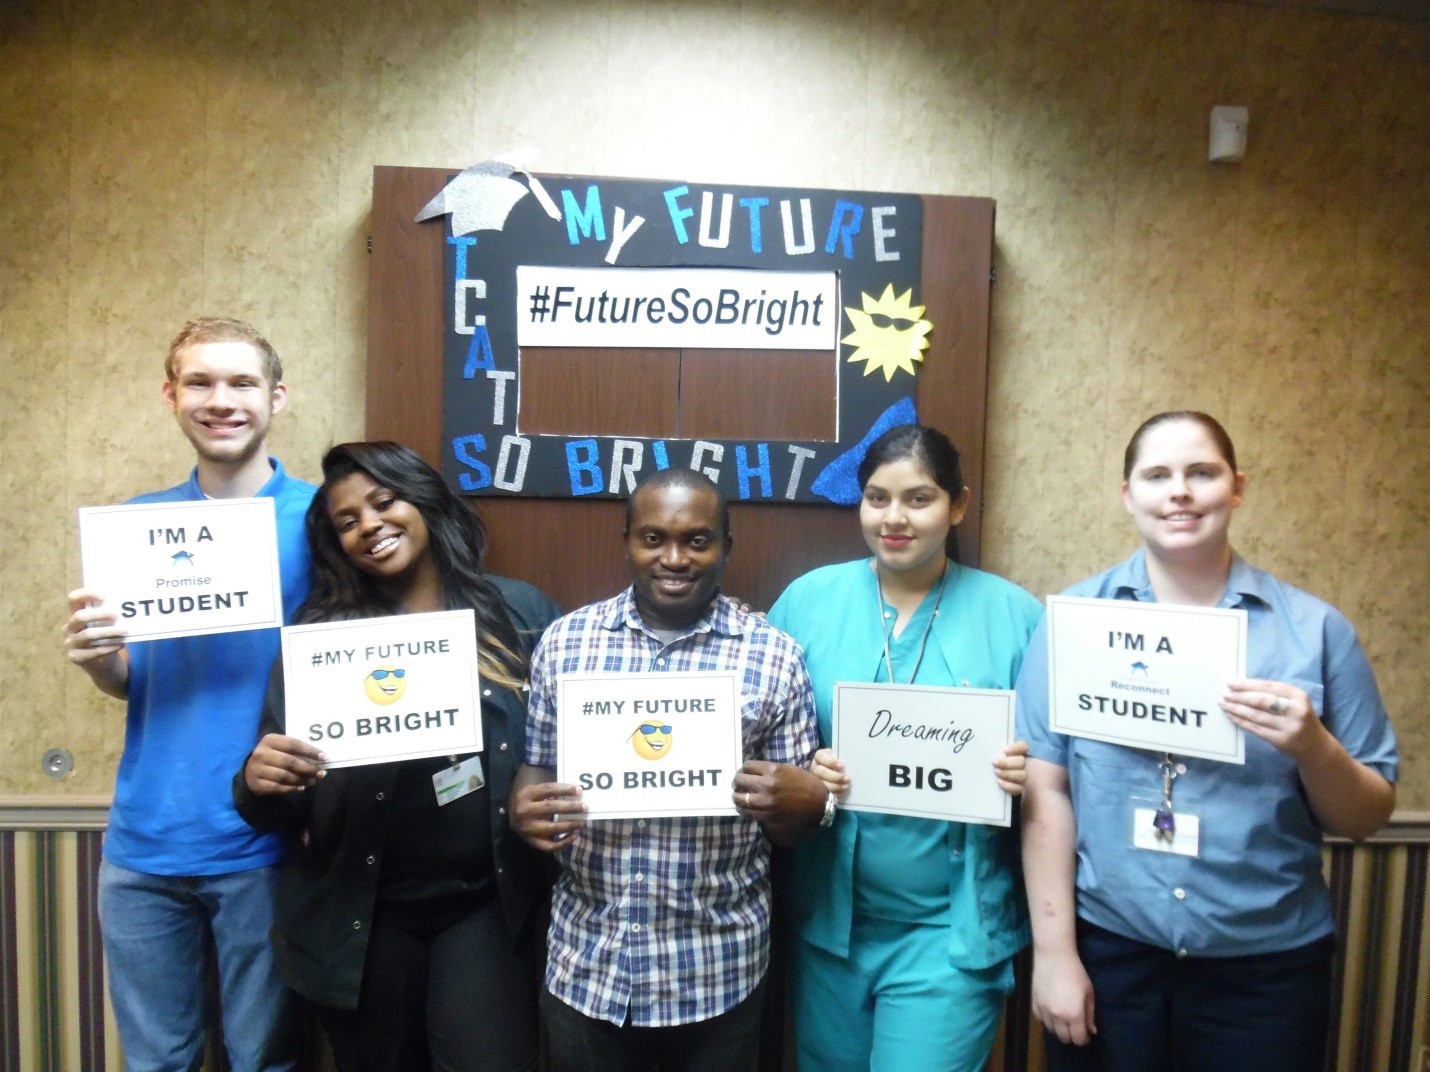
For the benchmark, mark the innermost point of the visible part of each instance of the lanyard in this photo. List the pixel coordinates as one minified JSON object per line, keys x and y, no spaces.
{"x":886,"y":626}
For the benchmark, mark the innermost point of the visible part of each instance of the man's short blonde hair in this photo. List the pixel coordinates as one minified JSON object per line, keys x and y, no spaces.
{"x":223,"y":329}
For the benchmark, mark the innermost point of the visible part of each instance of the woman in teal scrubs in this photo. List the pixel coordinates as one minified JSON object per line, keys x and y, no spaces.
{"x":906,"y":927}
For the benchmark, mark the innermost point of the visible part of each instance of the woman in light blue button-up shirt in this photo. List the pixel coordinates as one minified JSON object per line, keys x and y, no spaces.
{"x":1214,"y":954}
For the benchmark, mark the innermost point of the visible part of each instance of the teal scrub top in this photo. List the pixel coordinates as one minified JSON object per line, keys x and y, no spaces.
{"x":977,"y":640}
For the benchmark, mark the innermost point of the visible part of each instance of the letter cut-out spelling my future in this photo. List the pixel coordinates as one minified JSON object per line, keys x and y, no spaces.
{"x":619,"y":264}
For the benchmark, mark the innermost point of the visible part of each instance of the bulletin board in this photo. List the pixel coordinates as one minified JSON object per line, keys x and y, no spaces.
{"x":592,"y":329}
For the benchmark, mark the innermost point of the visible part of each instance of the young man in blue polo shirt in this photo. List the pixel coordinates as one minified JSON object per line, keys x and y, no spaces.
{"x":179,"y":865}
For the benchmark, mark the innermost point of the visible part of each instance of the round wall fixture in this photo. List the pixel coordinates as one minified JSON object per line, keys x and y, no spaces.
{"x":57,"y":762}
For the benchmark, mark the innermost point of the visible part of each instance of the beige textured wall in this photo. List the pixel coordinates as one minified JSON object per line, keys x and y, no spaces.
{"x":162,"y":159}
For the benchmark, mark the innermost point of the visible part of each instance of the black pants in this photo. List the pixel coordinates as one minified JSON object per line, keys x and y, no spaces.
{"x":439,"y":994}
{"x":1157,"y":1012}
{"x":724,"y":1043}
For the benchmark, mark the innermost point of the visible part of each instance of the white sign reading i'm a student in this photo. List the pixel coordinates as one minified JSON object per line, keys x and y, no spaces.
{"x":924,"y":751}
{"x":645,"y":745}
{"x":1145,"y":675}
{"x":184,"y":569}
{"x":383,"y":689}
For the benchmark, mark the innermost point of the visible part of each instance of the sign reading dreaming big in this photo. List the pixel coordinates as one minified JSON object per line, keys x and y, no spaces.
{"x":546,"y":274}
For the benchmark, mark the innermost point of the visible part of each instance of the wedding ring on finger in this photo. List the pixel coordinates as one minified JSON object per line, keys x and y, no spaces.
{"x":747,"y":799}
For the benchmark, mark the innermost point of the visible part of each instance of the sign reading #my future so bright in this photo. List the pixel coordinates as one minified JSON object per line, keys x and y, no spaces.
{"x":383,"y":689}
{"x":184,"y":569}
{"x":1145,"y":675}
{"x":643,"y":745}
{"x":924,"y":751}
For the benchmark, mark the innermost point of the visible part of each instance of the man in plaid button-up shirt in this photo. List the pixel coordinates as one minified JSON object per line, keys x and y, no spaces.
{"x":659,"y":936}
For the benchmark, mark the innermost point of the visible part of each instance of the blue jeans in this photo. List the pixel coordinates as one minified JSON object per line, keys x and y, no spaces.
{"x":155,"y":933}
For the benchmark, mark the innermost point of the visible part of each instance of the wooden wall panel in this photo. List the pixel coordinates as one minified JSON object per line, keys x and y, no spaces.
{"x":753,"y":394}
{"x":599,"y":392}
{"x":571,"y":548}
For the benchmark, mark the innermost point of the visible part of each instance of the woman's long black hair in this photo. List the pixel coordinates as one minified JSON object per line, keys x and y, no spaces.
{"x":456,"y":540}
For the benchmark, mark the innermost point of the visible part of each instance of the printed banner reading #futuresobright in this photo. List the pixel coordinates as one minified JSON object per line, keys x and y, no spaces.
{"x":383,"y":689}
{"x":1146,"y":675}
{"x":714,"y":308}
{"x":645,"y":745}
{"x":184,"y":569}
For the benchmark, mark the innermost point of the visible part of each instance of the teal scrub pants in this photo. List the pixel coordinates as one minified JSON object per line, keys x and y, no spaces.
{"x":896,"y":1004}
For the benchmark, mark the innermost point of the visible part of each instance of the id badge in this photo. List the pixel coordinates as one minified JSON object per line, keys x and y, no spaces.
{"x":1186,"y":833}
{"x":455,"y":782}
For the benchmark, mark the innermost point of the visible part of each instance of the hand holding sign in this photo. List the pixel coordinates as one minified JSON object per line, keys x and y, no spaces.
{"x":781,"y":797}
{"x":544,"y":813}
{"x":282,"y":764}
{"x":1011,"y":768}
{"x":1281,"y":715}
{"x":90,"y":633}
{"x":829,"y":769}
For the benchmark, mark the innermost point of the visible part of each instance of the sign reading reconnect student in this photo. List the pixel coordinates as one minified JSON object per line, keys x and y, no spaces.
{"x":714,"y":308}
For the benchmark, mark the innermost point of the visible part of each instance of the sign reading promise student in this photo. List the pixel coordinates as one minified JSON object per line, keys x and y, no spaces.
{"x":184,"y":569}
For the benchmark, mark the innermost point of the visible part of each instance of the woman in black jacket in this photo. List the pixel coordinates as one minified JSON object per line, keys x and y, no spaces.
{"x":408,"y":924}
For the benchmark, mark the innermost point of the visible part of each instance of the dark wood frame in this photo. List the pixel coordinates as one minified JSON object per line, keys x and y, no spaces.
{"x":571,"y":548}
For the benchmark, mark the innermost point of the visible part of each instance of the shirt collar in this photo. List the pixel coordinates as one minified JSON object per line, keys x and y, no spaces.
{"x":1242,"y":583}
{"x":719,"y":617}
{"x":269,"y":486}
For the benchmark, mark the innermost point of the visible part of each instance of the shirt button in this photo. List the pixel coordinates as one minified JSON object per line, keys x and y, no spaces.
{"x":501,"y":811}
{"x":640,"y":823}
{"x":640,"y":877}
{"x":486,"y":692}
{"x":499,"y":871}
{"x":1180,"y":894}
{"x":357,"y":924}
{"x":371,"y":860}
{"x":381,"y":795}
{"x":1181,"y":952}
{"x":503,"y":746}
{"x":660,"y":662}
{"x":635,"y":928}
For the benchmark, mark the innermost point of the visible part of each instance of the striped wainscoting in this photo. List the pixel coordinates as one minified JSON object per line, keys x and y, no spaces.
{"x":1382,"y":968}
{"x":54,"y":1016}
{"x":53,"y":1011}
